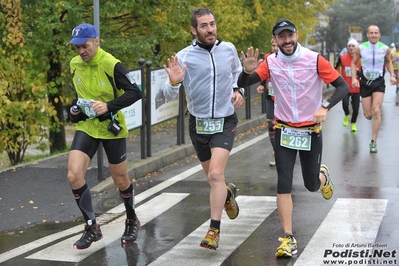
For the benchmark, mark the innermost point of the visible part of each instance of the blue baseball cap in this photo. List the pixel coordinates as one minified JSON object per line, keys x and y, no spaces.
{"x":82,"y":32}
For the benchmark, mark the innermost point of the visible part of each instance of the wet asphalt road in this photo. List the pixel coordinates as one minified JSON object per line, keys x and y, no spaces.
{"x":174,"y":208}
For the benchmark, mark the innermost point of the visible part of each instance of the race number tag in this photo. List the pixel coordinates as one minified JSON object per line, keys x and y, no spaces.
{"x":271,"y":91}
{"x":372,"y":74}
{"x":297,"y":139}
{"x":86,"y":107}
{"x":348,"y":71}
{"x":209,"y":125}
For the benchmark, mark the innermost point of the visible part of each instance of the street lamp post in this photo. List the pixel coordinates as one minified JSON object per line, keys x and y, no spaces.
{"x":100,"y":153}
{"x":96,"y":5}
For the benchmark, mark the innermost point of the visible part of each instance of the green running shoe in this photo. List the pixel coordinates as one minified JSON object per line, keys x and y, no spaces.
{"x":346,"y":120}
{"x":373,"y":147}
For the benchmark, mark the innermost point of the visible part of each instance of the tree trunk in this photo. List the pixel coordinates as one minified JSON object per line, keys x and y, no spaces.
{"x":57,"y":135}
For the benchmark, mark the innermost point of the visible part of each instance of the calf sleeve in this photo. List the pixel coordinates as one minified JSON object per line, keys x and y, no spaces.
{"x":83,"y":200}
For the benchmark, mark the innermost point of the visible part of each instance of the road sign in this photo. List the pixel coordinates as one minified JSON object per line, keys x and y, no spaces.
{"x":358,"y":36}
{"x":395,"y":29}
{"x":355,"y":29}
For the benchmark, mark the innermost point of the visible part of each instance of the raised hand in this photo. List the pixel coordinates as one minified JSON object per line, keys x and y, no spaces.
{"x":250,"y":61}
{"x":174,"y":72}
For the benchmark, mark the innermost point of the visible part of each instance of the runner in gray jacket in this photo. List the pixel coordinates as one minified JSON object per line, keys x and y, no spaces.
{"x":209,"y":70}
{"x":211,"y":73}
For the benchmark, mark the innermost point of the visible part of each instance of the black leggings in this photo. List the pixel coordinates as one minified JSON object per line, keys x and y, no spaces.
{"x":355,"y":105}
{"x":269,"y":118}
{"x":310,"y":164}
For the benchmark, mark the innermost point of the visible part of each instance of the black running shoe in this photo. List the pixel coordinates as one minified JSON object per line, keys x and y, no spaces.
{"x":131,"y":231}
{"x":90,"y":235}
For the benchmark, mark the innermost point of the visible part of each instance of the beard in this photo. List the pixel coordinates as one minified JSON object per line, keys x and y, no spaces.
{"x":281,"y":48}
{"x":202,"y":38}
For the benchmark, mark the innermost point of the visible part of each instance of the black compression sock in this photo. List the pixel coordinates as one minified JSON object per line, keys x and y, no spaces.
{"x":127,"y":197}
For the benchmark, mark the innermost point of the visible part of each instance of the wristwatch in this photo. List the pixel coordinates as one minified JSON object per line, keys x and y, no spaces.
{"x":325,"y":104}
{"x":240,"y":90}
{"x":393,"y":75}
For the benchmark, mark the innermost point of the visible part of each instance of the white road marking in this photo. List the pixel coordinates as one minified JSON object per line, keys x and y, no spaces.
{"x":253,"y":211}
{"x":118,"y":209}
{"x":149,"y":192}
{"x":38,"y":243}
{"x":112,"y":231}
{"x":350,"y":221}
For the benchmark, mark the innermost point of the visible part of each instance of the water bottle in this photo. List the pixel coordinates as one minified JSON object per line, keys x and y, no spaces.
{"x":75,"y":110}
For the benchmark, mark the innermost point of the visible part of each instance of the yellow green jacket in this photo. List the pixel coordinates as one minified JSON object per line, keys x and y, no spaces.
{"x":92,"y":81}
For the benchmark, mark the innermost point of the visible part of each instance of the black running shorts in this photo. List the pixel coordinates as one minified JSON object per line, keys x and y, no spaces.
{"x":203,"y":143}
{"x":367,"y":87}
{"x":114,"y":148}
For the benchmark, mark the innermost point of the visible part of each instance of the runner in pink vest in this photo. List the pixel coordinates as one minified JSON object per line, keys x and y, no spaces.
{"x":297,"y":76}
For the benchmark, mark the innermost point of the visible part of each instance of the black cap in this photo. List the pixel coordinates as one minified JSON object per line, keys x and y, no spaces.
{"x":283,"y":24}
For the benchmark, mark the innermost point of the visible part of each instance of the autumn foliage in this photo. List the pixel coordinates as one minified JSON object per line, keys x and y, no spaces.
{"x":24,"y":109}
{"x":35,"y":83}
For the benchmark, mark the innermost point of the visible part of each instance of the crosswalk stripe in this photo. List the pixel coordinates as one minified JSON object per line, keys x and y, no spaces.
{"x":151,"y":191}
{"x":350,"y":221}
{"x":118,"y":209}
{"x":233,"y":234}
{"x":38,"y":243}
{"x":63,"y":250}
